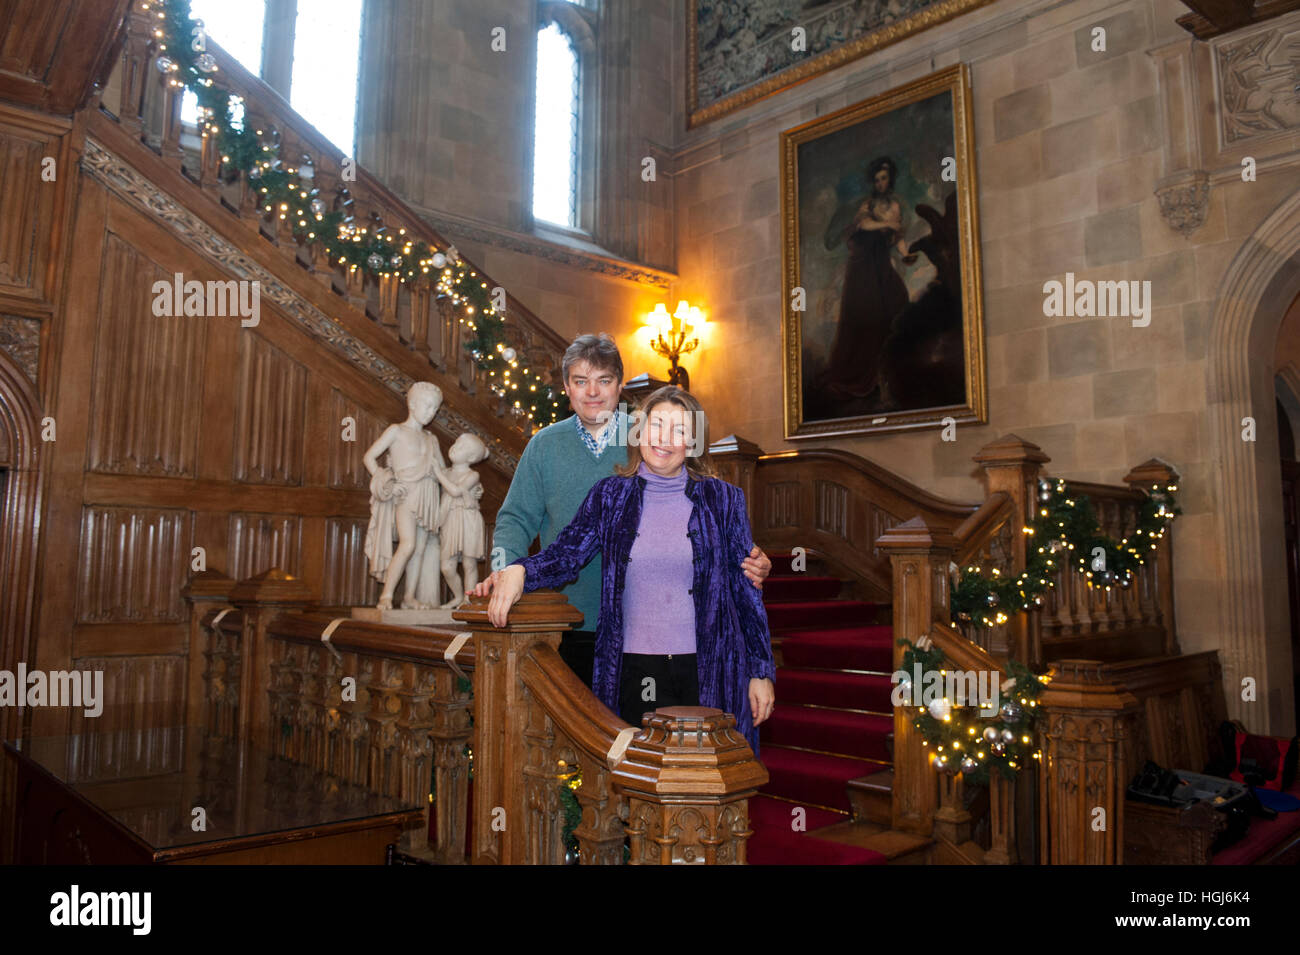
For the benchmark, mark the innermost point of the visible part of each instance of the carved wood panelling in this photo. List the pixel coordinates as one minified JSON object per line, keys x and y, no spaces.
{"x":133,"y":565}
{"x":271,"y":414}
{"x":148,"y":377}
{"x":346,"y":580}
{"x":831,"y":505}
{"x":26,"y":203}
{"x":259,"y":542}
{"x":139,"y":731}
{"x":782,"y":504}
{"x":346,"y":469}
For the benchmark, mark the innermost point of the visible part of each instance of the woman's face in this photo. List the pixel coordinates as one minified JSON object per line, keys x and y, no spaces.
{"x":665,"y":438}
{"x":881,"y":180}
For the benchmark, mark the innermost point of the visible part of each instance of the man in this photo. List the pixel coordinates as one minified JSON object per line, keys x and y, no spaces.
{"x":556,"y":471}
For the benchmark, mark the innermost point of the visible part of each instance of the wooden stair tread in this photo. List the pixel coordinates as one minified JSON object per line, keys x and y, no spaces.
{"x":891,"y":843}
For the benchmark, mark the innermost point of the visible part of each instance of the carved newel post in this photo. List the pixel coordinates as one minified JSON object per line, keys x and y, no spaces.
{"x":920,"y":555}
{"x":1088,"y":724}
{"x":501,"y":707}
{"x":705,"y":822}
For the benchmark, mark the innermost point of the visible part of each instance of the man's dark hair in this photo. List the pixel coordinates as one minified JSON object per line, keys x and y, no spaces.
{"x":599,"y":351}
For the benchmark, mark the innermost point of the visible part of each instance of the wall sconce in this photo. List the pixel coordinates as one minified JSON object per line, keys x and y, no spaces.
{"x":671,"y":342}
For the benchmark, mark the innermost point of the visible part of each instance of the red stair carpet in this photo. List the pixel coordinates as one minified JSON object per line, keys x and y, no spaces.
{"x":832,"y":717}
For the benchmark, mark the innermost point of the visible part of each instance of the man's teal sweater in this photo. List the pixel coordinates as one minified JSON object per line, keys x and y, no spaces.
{"x":554,"y":475}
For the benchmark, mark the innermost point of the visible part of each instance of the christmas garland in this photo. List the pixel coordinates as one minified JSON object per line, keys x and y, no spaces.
{"x":961,"y":737}
{"x":1066,"y":529}
{"x":288,"y":191}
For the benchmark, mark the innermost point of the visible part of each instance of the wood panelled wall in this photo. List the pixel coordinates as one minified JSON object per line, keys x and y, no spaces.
{"x":177,"y":433}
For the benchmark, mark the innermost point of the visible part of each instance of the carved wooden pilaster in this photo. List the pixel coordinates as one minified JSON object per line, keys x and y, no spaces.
{"x":450,"y":733}
{"x":604,"y":815}
{"x":1002,"y":821}
{"x":920,"y":555}
{"x":206,"y":591}
{"x":707,"y":823}
{"x":1087,"y":724}
{"x":261,"y":598}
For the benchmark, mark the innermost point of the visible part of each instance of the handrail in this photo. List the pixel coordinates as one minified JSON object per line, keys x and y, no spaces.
{"x":925,"y":502}
{"x":418,"y":644}
{"x":589,"y":723}
{"x":832,"y":503}
{"x":981,"y":526}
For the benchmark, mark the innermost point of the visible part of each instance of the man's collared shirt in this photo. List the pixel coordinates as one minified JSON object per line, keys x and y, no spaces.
{"x":596,"y":444}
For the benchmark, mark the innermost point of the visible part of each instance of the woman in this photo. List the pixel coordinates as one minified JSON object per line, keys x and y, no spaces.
{"x":874,"y":293}
{"x":679,"y":625}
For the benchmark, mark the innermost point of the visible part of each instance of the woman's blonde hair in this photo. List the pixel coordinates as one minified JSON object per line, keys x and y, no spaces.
{"x":697,"y":465}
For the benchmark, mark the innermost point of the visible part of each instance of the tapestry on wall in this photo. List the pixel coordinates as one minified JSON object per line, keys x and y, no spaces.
{"x":882,"y":320}
{"x":743,"y":51}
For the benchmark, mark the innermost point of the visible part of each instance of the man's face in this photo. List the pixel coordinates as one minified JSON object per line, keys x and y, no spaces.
{"x":593,"y":393}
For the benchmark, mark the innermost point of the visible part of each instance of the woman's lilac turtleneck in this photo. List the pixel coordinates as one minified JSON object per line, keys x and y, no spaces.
{"x":658,"y":609}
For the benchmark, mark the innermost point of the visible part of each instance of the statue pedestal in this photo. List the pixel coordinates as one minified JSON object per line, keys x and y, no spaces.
{"x":407,"y":618}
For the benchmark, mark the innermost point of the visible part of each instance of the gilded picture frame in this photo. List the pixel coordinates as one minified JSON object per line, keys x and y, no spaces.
{"x":732,"y":65}
{"x":882,"y":315}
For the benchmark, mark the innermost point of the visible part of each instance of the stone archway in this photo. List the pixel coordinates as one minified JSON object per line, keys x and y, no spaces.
{"x":1257,"y":288}
{"x":20,"y":444}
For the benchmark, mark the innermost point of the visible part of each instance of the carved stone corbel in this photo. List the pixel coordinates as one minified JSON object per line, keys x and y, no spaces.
{"x":1184,"y":201}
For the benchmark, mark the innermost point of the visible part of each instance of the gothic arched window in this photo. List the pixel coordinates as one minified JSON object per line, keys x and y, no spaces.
{"x":556,"y":128}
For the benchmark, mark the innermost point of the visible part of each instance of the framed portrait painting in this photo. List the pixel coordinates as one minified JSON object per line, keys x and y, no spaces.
{"x":883,"y":326}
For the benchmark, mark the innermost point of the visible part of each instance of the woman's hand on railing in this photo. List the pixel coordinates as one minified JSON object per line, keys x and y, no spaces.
{"x":506,"y":587}
{"x":762,"y":699}
{"x":484,"y":587}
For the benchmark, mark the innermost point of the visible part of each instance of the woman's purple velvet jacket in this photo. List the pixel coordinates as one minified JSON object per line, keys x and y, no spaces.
{"x":732,"y":641}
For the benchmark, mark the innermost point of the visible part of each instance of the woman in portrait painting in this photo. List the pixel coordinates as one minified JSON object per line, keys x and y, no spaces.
{"x":874,"y":293}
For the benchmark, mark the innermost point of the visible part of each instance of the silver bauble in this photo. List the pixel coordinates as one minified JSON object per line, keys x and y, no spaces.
{"x":968,"y":765}
{"x":1011,"y":711}
{"x":206,"y":62}
{"x":375,"y":261}
{"x":439,"y":260}
{"x":165,"y":64}
{"x":509,"y":354}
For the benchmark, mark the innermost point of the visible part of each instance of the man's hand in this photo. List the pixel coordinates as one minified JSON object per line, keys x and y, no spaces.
{"x":762,"y":699}
{"x":756,"y":567}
